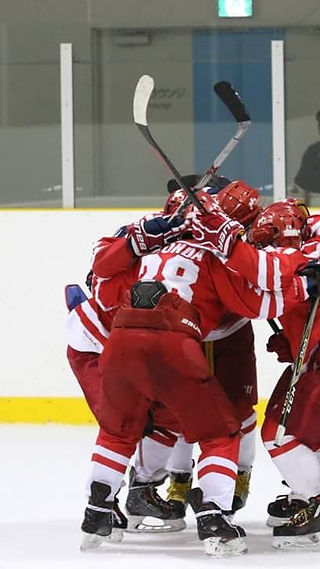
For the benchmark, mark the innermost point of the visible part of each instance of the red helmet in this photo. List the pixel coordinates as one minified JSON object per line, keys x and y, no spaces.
{"x":240,"y":201}
{"x":281,"y":224}
{"x":173,"y":201}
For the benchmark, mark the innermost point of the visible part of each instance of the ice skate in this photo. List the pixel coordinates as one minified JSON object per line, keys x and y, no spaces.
{"x":119,"y":520}
{"x":220,"y":537}
{"x":101,"y":525}
{"x":148,"y":513}
{"x":241,"y":490}
{"x":283,"y":509}
{"x":177,"y":491}
{"x":303,"y":529}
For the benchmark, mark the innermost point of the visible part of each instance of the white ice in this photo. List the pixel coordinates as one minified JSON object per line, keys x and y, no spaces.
{"x":43,"y":474}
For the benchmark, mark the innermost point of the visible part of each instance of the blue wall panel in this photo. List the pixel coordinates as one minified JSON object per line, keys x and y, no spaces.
{"x":243,"y":59}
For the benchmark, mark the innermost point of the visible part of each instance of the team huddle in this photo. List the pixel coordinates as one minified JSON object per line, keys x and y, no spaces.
{"x":164,"y":353}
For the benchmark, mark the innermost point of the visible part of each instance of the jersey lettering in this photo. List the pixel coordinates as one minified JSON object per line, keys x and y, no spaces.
{"x":177,"y":273}
{"x":185,"y":250}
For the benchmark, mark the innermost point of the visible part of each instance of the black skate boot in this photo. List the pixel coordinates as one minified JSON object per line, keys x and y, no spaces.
{"x":119,"y":520}
{"x":241,"y":490}
{"x":283,"y":509}
{"x":220,"y":537}
{"x":143,"y":503}
{"x":303,"y":529}
{"x":98,"y":518}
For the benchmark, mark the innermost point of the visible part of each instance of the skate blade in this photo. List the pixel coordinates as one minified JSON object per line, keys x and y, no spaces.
{"x":217,"y":548}
{"x":274,"y":522}
{"x":148,"y":524}
{"x":310,"y":542}
{"x":94,"y":541}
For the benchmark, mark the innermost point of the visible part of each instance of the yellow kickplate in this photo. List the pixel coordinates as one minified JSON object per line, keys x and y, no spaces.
{"x":65,"y":410}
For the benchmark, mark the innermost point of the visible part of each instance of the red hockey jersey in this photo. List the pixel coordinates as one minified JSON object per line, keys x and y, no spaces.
{"x":197,"y":276}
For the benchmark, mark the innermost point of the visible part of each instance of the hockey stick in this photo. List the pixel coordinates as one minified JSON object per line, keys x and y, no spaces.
{"x":297,"y":370}
{"x":142,"y":94}
{"x":274,"y":326}
{"x":234,"y":104}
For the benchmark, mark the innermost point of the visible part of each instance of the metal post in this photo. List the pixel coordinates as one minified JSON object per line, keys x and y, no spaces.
{"x":67,"y":143}
{"x":278,"y":121}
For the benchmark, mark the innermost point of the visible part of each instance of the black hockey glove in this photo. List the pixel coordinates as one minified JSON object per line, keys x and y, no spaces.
{"x":312,"y":272}
{"x":89,"y":280}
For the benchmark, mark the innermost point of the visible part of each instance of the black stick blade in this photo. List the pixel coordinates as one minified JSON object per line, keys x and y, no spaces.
{"x":232,"y":100}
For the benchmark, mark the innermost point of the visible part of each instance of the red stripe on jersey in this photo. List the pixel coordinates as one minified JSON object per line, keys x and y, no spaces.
{"x":217,"y":468}
{"x":108,"y":462}
{"x":248,"y":429}
{"x":165,"y":438}
{"x":90,"y":325}
{"x":284,"y":448}
{"x":111,"y":443}
{"x":228,"y":450}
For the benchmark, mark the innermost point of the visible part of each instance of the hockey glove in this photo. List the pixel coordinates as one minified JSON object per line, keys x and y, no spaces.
{"x":216,"y":232}
{"x":150,"y":234}
{"x":89,"y":280}
{"x":279,"y":344}
{"x":312,"y":272}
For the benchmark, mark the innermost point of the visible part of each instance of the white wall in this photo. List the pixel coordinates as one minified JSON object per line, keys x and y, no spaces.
{"x":41,"y":252}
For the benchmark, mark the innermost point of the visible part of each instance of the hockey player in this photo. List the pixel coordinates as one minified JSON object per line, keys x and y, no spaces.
{"x":86,"y":339}
{"x":284,"y":227}
{"x":297,"y":459}
{"x":231,"y":357}
{"x":231,"y":354}
{"x":181,"y":266}
{"x":234,"y":336}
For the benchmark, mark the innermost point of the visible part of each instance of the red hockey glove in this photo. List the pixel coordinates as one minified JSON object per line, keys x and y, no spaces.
{"x":216,"y":231}
{"x":279,"y":344}
{"x":209,"y":201}
{"x":151,"y":233}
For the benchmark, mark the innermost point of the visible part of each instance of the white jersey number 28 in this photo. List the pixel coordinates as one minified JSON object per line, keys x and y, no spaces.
{"x":177,"y":273}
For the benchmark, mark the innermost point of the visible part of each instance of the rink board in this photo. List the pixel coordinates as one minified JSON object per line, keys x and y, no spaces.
{"x":60,"y":410}
{"x":37,"y":384}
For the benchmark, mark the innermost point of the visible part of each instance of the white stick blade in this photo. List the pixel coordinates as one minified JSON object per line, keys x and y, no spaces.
{"x":141,"y":98}
{"x":280,"y":435}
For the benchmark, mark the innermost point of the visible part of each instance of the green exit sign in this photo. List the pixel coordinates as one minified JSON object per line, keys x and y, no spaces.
{"x":235,"y":8}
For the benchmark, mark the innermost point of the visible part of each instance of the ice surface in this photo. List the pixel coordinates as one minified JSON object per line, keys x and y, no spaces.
{"x":43,"y":475}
